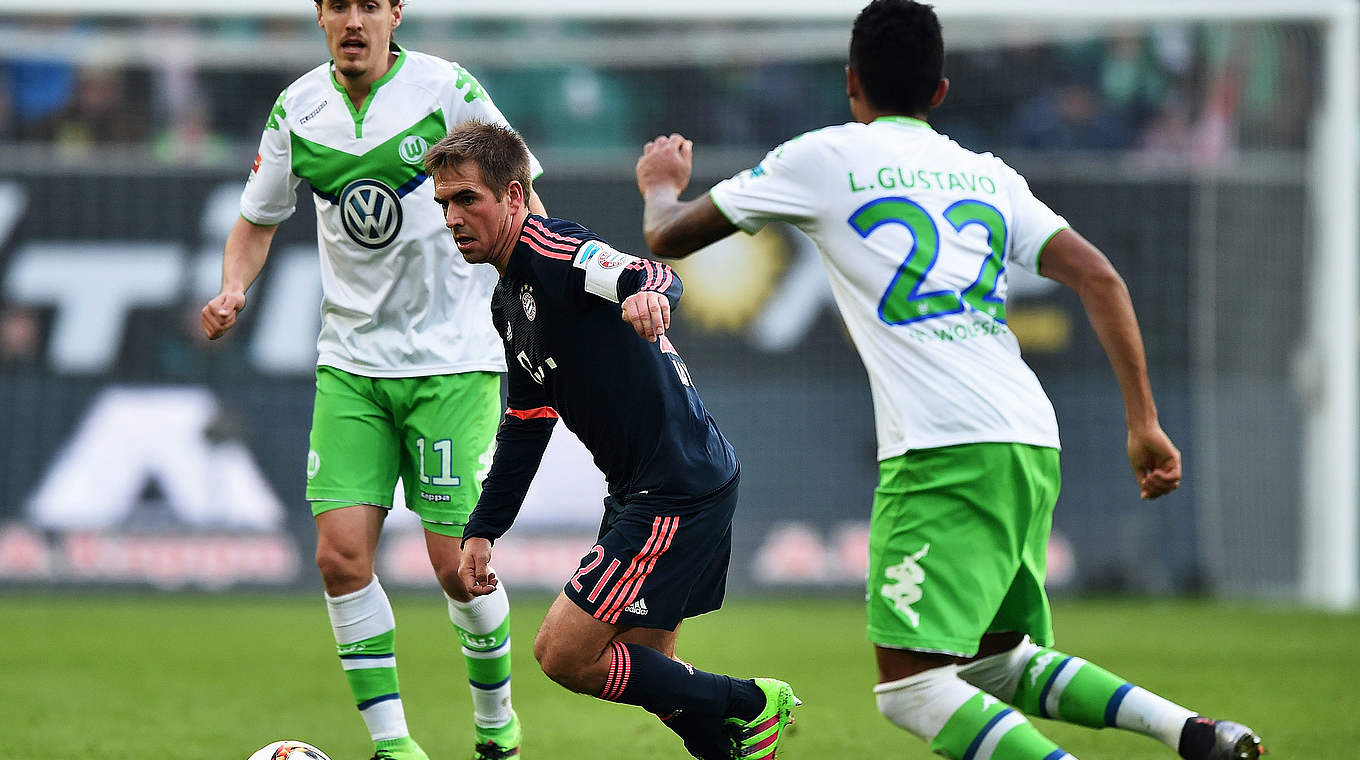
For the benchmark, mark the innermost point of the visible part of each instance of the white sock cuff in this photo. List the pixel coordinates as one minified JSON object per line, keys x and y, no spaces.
{"x":923,"y":703}
{"x":999,"y":674}
{"x":361,"y":614}
{"x":484,"y":614}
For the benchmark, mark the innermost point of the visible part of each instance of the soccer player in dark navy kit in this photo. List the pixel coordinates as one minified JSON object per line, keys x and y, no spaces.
{"x":584,"y":332}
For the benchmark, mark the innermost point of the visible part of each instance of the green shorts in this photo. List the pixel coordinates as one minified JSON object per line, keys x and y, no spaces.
{"x":957,"y":546}
{"x":437,"y":433}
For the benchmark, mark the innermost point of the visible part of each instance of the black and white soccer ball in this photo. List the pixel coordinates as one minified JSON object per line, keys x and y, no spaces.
{"x":288,"y":749}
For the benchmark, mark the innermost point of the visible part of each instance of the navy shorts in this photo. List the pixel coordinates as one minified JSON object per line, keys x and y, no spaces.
{"x":656,"y":565}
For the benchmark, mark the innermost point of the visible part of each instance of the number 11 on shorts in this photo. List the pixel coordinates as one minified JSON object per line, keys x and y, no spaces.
{"x":445,"y":477}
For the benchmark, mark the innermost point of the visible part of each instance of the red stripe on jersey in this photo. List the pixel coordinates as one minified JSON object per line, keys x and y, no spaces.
{"x":542,"y":240}
{"x":542,"y":412}
{"x":540,"y":227}
{"x":544,"y":251}
{"x":667,"y":277}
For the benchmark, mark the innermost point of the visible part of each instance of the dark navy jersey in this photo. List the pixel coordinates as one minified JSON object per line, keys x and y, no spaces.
{"x":630,"y":402}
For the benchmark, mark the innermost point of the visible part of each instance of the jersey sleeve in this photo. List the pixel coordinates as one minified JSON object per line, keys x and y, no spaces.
{"x":271,"y":191}
{"x":1033,"y":223}
{"x":466,"y":100}
{"x":520,"y":442}
{"x":614,"y":275}
{"x":782,"y":187}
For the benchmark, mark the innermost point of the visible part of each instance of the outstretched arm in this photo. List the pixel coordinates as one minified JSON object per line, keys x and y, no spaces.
{"x":1071,"y":260}
{"x":520,"y":443}
{"x":244,"y":257}
{"x":675,"y":228}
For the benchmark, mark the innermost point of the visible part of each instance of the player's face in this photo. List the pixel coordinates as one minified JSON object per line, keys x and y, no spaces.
{"x":358,"y":33}
{"x":484,"y":223}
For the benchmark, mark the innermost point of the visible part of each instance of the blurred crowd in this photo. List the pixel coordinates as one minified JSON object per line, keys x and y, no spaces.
{"x":1183,"y":94}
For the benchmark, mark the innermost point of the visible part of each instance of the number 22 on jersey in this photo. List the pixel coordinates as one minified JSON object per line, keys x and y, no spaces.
{"x":906,"y":300}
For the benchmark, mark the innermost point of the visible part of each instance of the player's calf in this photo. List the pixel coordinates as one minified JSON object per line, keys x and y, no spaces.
{"x":953,"y":716}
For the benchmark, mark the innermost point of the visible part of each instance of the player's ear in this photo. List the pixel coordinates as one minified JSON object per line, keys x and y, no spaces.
{"x":941,"y":90}
{"x":396,"y":14}
{"x":514,"y":194}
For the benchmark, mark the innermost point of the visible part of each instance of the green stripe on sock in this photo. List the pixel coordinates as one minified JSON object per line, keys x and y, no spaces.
{"x":382,"y":644}
{"x":367,"y":683}
{"x":965,"y":724}
{"x":971,"y":723}
{"x":1035,"y":679}
{"x":1024,"y":742}
{"x":1082,"y":700}
{"x":491,"y":671}
{"x":484,"y":642}
{"x":372,"y":682}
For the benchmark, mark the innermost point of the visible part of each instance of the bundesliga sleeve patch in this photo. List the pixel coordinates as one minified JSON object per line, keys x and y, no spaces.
{"x":602,"y":266}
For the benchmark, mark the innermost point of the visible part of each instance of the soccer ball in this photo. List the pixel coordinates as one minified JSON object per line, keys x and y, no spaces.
{"x":289,"y":749}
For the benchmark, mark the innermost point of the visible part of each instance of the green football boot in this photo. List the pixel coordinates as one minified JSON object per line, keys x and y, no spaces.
{"x":500,"y":742}
{"x":758,"y":738}
{"x":404,"y":748}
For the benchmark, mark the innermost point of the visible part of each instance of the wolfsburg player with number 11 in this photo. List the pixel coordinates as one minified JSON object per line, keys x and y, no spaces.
{"x":917,"y":235}
{"x":408,"y":377}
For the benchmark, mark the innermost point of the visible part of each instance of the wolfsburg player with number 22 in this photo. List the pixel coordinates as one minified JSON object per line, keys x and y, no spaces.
{"x":408,"y":377}
{"x":619,"y":385}
{"x":917,"y":235}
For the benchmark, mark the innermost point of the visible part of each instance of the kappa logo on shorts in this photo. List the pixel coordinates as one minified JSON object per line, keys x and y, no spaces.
{"x":638,"y":607}
{"x":903,"y":588}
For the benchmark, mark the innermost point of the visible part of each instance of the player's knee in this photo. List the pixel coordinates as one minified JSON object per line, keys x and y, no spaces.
{"x":999,"y":674}
{"x":563,"y":664}
{"x":452,"y":583}
{"x":920,"y":704}
{"x":556,"y":663}
{"x":342,"y":571}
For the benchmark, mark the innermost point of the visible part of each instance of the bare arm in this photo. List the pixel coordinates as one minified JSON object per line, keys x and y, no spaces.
{"x":675,"y":228}
{"x":244,"y":257}
{"x":1071,"y":260}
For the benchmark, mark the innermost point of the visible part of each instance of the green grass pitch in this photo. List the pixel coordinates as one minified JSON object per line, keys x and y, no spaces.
{"x":215,"y":677}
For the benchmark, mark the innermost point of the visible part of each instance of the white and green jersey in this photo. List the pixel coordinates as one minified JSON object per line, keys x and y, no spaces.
{"x":398,"y":300}
{"x":916,"y":234}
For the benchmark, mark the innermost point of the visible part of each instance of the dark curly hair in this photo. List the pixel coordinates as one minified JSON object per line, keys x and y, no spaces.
{"x":897,"y":50}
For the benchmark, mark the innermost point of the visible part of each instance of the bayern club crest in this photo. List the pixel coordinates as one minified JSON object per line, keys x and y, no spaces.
{"x":526,"y":299}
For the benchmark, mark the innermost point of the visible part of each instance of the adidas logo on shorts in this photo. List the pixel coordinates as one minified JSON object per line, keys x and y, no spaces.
{"x":638,"y":607}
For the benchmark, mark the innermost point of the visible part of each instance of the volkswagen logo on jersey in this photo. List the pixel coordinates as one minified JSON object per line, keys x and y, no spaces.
{"x":370,"y":212}
{"x":412,"y":149}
